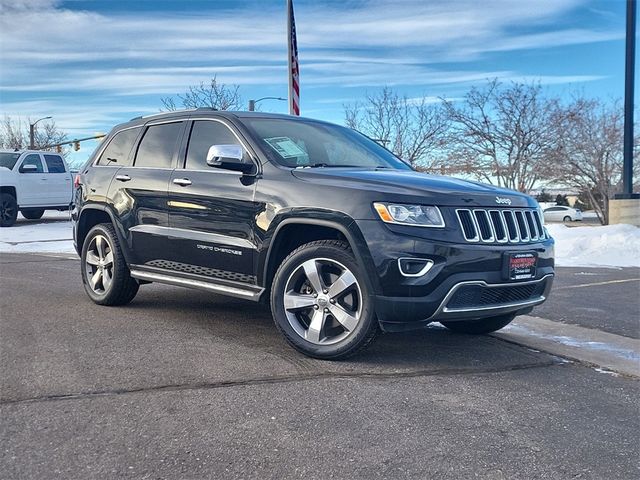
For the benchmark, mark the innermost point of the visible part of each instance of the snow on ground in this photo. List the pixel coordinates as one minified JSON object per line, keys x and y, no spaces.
{"x":610,"y":246}
{"x":606,"y":246}
{"x":51,"y":234}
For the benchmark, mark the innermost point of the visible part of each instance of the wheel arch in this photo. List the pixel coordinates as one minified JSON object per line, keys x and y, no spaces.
{"x":291,"y":233}
{"x":90,"y":216}
{"x":11,"y":190}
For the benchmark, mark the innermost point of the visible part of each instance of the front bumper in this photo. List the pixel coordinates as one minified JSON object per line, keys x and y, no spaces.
{"x":466,"y":281}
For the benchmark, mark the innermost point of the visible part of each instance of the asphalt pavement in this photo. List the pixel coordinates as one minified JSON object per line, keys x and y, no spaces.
{"x":606,"y":299}
{"x":185,"y":384}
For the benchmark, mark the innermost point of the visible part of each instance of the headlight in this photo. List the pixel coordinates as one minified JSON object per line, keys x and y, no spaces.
{"x":417,"y":215}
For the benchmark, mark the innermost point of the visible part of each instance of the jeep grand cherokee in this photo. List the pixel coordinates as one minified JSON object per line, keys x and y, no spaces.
{"x":341,"y":237}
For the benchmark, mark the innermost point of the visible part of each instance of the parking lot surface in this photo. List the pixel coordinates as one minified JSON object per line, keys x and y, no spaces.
{"x":606,"y":299}
{"x":185,"y":384}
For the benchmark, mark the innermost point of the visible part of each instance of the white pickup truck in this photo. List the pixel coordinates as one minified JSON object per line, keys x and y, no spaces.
{"x":32,"y":182}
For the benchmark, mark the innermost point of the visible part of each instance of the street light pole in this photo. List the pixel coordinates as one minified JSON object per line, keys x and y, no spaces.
{"x":252,"y":103}
{"x":627,"y":169}
{"x":32,"y":132}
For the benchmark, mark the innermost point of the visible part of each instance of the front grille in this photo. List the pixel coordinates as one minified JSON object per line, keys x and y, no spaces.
{"x":501,"y":225}
{"x":474,"y":296}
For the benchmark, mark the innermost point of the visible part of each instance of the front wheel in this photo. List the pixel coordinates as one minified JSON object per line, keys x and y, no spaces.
{"x":32,"y":213}
{"x":566,"y":219}
{"x":479,"y":327}
{"x":321,"y":302}
{"x":105,"y":273}
{"x":8,"y":210}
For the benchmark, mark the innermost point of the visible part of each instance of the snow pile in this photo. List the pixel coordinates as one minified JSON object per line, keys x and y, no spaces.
{"x":608,"y":246}
{"x":52,"y":234}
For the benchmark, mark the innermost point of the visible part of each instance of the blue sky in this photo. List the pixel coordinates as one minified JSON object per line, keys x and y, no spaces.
{"x":93,"y":64}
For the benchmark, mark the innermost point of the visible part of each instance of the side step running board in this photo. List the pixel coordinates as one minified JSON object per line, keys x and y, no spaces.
{"x":248,"y":293}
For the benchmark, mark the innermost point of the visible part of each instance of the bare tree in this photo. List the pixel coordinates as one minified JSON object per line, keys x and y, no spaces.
{"x":214,"y":95}
{"x":412,"y":129}
{"x":589,"y":154}
{"x":503,"y":134}
{"x":14,"y":134}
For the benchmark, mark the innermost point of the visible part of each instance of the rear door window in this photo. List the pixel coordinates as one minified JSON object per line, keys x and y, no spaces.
{"x":54,"y":164}
{"x":119,"y":148}
{"x":158,"y":145}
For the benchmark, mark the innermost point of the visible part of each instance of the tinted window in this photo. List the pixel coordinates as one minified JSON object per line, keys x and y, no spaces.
{"x":54,"y":164}
{"x":119,"y":148}
{"x":158,"y":146}
{"x":9,"y":160}
{"x":203,"y":135}
{"x":32,"y":159}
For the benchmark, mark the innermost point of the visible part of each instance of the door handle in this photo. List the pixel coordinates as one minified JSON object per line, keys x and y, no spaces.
{"x":123,"y":178}
{"x":183,"y":182}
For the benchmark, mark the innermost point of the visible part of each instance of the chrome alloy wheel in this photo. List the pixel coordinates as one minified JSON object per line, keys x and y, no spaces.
{"x":99,"y":264}
{"x":323,"y":301}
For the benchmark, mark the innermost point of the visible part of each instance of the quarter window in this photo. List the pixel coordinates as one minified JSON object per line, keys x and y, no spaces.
{"x":54,"y":164}
{"x":158,"y":146}
{"x":204,"y":134}
{"x":32,"y":159}
{"x":119,"y":148}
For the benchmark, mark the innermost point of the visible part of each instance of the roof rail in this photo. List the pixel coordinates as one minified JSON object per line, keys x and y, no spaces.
{"x":140,"y":117}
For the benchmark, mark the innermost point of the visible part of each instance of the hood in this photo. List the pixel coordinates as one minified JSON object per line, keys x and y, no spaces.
{"x":439,"y":189}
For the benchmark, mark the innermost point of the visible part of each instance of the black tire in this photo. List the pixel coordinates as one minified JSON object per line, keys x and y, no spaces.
{"x":8,"y":210}
{"x":566,"y":219}
{"x":122,"y":288}
{"x":347,"y":343}
{"x":32,"y":213}
{"x":480,"y":327}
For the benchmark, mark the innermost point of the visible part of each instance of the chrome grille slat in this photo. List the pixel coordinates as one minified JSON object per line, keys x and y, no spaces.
{"x":531,"y":225}
{"x":500,"y":225}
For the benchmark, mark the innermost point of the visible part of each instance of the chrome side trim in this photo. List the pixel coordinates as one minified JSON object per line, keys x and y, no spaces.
{"x":193,"y":235}
{"x":443,"y":308}
{"x":198,"y":284}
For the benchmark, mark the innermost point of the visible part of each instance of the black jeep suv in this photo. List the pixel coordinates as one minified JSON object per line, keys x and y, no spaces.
{"x":341,"y":237}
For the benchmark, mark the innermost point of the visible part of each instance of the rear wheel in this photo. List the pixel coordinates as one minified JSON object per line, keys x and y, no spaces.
{"x":479,"y":327}
{"x":32,"y":213}
{"x":321,"y":302}
{"x":105,"y":273}
{"x":8,"y":210}
{"x":566,"y":219}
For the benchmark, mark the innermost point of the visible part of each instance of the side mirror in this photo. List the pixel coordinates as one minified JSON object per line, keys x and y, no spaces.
{"x":229,"y":157}
{"x":29,"y":168}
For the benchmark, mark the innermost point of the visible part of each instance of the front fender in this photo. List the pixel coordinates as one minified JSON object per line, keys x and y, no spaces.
{"x":317,"y":217}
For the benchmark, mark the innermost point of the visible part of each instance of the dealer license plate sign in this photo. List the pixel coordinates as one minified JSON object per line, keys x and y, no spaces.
{"x":520,"y":266}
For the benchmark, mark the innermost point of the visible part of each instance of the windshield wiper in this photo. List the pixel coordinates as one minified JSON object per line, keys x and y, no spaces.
{"x":326,"y":165}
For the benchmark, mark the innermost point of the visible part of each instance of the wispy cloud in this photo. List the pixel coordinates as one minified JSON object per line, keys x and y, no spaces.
{"x":51,"y":52}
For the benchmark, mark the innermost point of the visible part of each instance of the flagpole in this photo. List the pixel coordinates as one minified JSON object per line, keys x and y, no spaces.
{"x":289,"y":58}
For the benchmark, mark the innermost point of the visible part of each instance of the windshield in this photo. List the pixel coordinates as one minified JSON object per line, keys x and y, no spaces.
{"x":299,"y":144}
{"x":8,"y":160}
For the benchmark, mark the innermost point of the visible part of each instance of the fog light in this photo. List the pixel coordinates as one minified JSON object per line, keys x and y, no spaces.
{"x":414,"y":267}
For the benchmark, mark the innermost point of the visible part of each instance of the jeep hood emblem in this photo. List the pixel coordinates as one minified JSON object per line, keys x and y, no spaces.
{"x":503,"y":200}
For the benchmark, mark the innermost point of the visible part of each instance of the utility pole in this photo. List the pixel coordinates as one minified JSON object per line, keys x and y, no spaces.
{"x":625,"y":207}
{"x":32,"y":132}
{"x":627,"y":169}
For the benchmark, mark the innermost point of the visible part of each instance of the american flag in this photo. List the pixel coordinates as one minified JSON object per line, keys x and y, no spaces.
{"x":294,"y":70}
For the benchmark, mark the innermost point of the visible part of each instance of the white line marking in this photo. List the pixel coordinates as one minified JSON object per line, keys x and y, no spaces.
{"x":597,"y":283}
